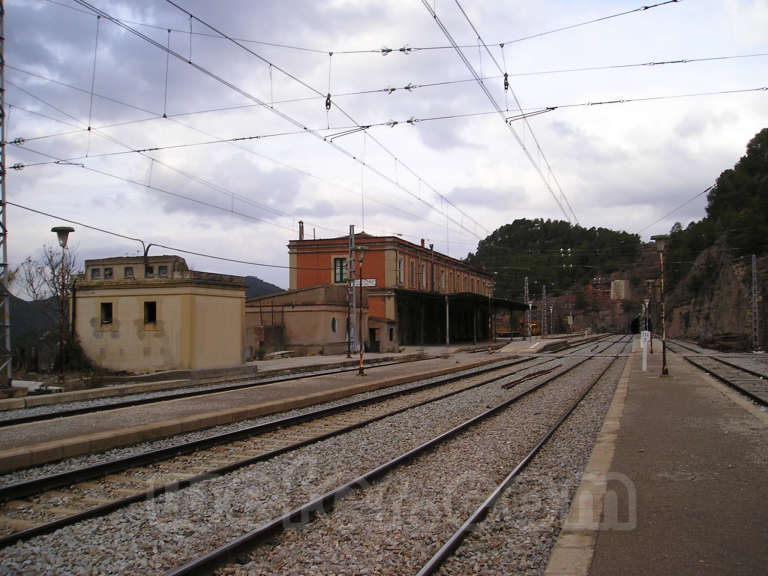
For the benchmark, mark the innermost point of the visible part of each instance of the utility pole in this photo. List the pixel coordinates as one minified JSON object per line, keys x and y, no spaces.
{"x":543,"y":310}
{"x":361,"y":254}
{"x":755,"y":317}
{"x":6,"y":365}
{"x":528,"y":313}
{"x":350,"y":290}
{"x":490,"y":327}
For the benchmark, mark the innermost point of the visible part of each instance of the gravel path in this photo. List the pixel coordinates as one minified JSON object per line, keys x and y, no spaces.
{"x":396,"y":525}
{"x":154,"y":536}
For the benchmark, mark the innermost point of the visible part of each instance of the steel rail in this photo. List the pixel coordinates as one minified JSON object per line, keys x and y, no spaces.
{"x":26,"y":488}
{"x":30,"y":487}
{"x":481,"y":512}
{"x":306,"y":512}
{"x":763,"y":401}
{"x":214,"y":389}
{"x":717,"y":358}
{"x":101,"y":510}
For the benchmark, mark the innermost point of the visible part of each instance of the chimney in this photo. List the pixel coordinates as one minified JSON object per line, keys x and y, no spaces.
{"x":301,"y":230}
{"x":422,"y":242}
{"x":431,"y":246}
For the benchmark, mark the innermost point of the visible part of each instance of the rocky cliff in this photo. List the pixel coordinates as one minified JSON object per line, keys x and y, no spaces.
{"x":713,"y":303}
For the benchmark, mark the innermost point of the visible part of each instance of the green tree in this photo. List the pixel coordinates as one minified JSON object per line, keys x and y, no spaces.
{"x":552,"y":252}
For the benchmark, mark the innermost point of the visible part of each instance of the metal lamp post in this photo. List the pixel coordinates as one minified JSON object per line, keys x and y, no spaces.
{"x":490,"y":292}
{"x":660,"y":242}
{"x":360,"y":254}
{"x":551,"y":320}
{"x":530,"y":328}
{"x":62,"y":234}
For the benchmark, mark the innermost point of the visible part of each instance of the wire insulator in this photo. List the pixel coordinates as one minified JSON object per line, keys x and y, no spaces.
{"x":506,"y":81}
{"x":328,"y":102}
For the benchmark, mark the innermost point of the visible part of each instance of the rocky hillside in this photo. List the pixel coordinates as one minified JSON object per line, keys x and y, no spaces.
{"x":713,"y":303}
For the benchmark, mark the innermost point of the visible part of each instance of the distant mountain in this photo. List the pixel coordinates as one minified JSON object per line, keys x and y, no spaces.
{"x":257,"y":287}
{"x":30,"y":320}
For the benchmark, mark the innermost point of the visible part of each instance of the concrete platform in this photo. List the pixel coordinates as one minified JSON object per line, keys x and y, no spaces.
{"x":677,"y":482}
{"x":37,"y":443}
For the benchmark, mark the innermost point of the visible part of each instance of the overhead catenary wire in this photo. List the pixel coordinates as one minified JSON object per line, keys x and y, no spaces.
{"x":345,"y":114}
{"x":348,"y":130}
{"x":54,"y":160}
{"x":384,"y":51}
{"x":20,"y":143}
{"x":63,"y":162}
{"x":524,"y":117}
{"x":215,"y":187}
{"x":145,"y":243}
{"x":273,"y":109}
{"x":410,"y":87}
{"x":668,"y":214}
{"x":159,"y":245}
{"x":495,"y":104}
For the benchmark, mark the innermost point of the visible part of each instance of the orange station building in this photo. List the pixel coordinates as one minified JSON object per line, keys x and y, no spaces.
{"x":412,"y":295}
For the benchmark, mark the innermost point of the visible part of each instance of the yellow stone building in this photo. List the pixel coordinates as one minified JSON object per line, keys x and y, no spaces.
{"x":149,"y":314}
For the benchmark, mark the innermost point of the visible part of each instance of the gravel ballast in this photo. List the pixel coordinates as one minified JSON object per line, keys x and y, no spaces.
{"x":98,"y":458}
{"x":154,"y":536}
{"x":397,"y":524}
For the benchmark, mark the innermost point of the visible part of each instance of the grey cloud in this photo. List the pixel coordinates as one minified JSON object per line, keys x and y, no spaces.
{"x":500,"y":198}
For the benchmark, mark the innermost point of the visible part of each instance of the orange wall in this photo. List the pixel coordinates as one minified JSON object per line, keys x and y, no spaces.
{"x":315,"y":267}
{"x":377,"y":307}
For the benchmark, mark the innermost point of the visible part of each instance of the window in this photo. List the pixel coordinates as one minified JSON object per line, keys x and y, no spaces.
{"x":339,"y":270}
{"x":413,"y":274}
{"x":106,"y":313}
{"x":95,"y":273}
{"x":333,"y":325}
{"x":423,"y":276}
{"x":442,"y":280}
{"x":107,"y":273}
{"x":128,"y":272}
{"x":162,"y":271}
{"x":149,"y":271}
{"x":391,"y":334}
{"x":150,"y":312}
{"x":400,"y":271}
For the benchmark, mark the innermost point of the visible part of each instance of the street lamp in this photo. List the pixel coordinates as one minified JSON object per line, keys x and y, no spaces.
{"x":551,"y":320}
{"x":645,"y":314}
{"x":530,"y":312}
{"x":62,"y":234}
{"x":660,"y":242}
{"x":360,"y":254}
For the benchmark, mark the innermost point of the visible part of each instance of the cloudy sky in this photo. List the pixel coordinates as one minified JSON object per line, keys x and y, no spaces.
{"x":242,"y":146}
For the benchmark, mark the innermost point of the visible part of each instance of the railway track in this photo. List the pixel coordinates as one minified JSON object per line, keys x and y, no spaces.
{"x":45,"y":504}
{"x":41,"y":414}
{"x":322,"y":505}
{"x":28,"y":505}
{"x":749,"y":382}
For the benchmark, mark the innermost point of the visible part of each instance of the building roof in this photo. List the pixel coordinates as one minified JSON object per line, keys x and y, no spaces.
{"x":178,"y":274}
